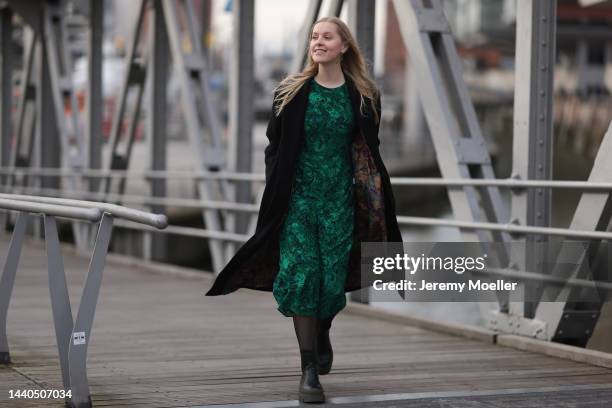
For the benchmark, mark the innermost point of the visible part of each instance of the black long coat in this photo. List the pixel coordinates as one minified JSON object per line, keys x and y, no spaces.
{"x":255,"y":264}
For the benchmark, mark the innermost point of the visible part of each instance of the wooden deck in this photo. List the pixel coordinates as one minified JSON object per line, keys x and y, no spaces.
{"x":158,"y":341}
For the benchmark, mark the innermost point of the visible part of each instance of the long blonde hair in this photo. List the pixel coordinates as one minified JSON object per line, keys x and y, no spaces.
{"x":352,"y":65}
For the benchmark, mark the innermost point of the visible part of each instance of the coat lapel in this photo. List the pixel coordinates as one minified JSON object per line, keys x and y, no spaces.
{"x":364,"y":121}
{"x":296,"y":111}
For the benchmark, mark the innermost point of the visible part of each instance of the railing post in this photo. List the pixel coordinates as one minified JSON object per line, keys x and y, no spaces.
{"x":60,"y":302}
{"x":81,"y":334}
{"x":8,"y":280}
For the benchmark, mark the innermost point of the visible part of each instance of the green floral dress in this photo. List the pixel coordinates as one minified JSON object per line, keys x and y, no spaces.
{"x":317,"y":233}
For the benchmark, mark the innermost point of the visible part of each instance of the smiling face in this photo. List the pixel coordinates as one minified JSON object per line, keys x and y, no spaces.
{"x":326,"y":45}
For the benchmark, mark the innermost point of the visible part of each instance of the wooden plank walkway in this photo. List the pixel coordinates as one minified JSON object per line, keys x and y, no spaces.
{"x":157,"y":341}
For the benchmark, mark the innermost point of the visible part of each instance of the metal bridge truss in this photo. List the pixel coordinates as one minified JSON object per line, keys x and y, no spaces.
{"x":460,"y":147}
{"x":42,"y":109}
{"x":461,"y":153}
{"x":170,"y":22}
{"x":147,"y":66}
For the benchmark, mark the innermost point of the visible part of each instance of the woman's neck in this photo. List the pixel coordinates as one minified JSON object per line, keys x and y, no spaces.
{"x":330,"y":75}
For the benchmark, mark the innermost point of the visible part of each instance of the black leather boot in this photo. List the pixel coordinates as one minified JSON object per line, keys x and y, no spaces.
{"x":311,"y":389}
{"x":325,"y":353}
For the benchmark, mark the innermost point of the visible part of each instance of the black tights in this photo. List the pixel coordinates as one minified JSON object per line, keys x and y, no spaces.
{"x":306,"y":330}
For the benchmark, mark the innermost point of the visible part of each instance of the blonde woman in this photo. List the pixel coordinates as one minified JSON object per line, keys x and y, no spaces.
{"x":327,"y":190}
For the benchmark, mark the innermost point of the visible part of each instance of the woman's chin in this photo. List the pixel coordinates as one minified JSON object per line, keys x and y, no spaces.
{"x":322,"y":61}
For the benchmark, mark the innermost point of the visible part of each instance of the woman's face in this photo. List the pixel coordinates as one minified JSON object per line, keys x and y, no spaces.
{"x":326,"y":45}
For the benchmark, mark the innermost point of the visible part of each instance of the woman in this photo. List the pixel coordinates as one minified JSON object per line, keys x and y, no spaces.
{"x":327,"y":190}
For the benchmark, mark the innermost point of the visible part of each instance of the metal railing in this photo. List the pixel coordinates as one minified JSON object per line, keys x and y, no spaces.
{"x":510,"y":227}
{"x":72,"y":336}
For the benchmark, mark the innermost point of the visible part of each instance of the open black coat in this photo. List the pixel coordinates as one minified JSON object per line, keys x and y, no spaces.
{"x":255,"y":264}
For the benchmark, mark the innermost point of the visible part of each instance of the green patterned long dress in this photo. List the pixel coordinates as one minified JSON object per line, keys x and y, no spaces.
{"x":317,"y":233}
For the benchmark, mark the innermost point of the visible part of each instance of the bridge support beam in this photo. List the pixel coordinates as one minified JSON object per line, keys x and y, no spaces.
{"x":570,"y":321}
{"x":240,"y":104}
{"x":451,"y":117}
{"x":362,"y":15}
{"x":6,"y":82}
{"x":157,"y":78}
{"x":533,"y":133}
{"x":8,"y":281}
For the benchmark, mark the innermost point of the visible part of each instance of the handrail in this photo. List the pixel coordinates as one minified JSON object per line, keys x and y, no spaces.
{"x":152,"y":174}
{"x":138,"y":199}
{"x":159,"y":221}
{"x":73,"y":335}
{"x":243,"y":176}
{"x":87,"y":214}
{"x":506,"y":183}
{"x":401,"y":219}
{"x":507,"y":227}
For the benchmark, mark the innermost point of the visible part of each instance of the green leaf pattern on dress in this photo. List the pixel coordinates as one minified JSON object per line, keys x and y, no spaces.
{"x":317,"y":233}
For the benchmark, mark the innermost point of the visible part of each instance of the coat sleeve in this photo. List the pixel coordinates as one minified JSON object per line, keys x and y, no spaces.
{"x":272,"y":147}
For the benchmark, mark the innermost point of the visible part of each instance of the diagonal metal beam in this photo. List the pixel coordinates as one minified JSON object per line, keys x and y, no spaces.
{"x":60,"y":301}
{"x":60,"y":75}
{"x":22,"y":148}
{"x":460,"y":146}
{"x":135,"y":74}
{"x":81,"y":333}
{"x":202,"y":124}
{"x":567,"y":321}
{"x":8,"y":281}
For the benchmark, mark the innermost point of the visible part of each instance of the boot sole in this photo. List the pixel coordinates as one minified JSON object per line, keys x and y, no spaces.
{"x":315,"y":397}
